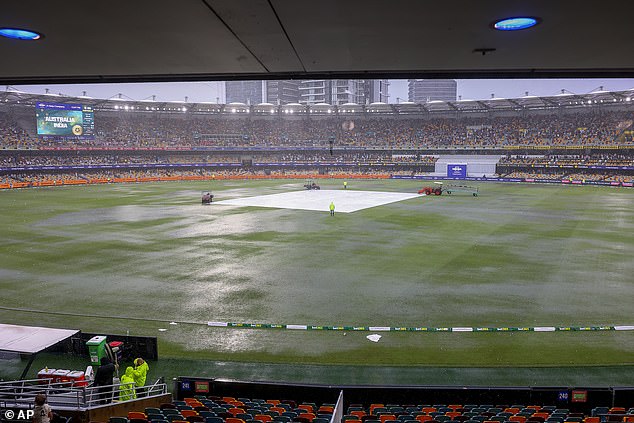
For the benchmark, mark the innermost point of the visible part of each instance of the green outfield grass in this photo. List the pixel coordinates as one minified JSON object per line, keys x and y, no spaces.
{"x":149,"y":254}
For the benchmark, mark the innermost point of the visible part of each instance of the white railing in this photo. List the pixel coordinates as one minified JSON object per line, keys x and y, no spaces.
{"x":66,"y":395}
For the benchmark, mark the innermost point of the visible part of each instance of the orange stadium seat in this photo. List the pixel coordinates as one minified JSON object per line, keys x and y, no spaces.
{"x":385,"y":417}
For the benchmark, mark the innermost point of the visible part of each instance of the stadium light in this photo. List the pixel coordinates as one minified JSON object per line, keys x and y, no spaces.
{"x":516,"y":23}
{"x":20,"y":34}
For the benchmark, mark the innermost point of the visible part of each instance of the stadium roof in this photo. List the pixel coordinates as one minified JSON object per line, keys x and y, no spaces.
{"x":564,"y":100}
{"x":163,"y":40}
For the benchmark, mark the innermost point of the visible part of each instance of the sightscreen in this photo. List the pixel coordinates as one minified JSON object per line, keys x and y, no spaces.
{"x":55,"y":120}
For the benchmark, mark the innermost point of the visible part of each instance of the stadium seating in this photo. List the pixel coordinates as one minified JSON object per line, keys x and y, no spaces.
{"x":567,"y":145}
{"x":373,"y":413}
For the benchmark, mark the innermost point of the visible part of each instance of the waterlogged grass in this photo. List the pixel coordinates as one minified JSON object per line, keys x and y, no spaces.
{"x":516,"y":255}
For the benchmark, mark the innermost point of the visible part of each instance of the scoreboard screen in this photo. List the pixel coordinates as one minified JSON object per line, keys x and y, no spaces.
{"x":56,"y":120}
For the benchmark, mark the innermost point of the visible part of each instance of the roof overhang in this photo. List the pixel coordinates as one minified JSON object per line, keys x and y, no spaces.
{"x":31,"y":339}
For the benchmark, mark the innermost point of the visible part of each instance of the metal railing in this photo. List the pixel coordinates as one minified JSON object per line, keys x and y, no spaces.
{"x":67,"y":395}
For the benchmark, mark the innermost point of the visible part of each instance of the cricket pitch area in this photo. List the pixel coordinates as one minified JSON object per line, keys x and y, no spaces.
{"x":128,"y":257}
{"x":346,"y":201}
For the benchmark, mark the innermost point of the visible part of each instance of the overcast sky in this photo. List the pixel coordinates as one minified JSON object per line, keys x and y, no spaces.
{"x":475,"y":89}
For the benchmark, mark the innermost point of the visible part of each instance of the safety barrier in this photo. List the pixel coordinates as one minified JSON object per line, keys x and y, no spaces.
{"x":66,"y":395}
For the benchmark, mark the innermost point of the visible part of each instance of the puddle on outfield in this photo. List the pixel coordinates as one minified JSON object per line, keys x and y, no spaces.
{"x":125,"y":214}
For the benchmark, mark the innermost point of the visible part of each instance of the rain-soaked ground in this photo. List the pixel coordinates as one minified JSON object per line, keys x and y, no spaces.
{"x":137,"y":257}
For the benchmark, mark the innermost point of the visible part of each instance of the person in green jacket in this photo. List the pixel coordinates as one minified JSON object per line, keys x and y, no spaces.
{"x":126,"y":389}
{"x":140,"y":374}
{"x":332,"y":208}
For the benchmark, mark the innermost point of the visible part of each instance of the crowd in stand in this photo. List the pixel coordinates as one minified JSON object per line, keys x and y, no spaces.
{"x":575,"y":129}
{"x":571,"y":176}
{"x":12,"y":135}
{"x":569,"y":160}
{"x":56,"y":159}
{"x":136,"y":130}
{"x":394,"y":144}
{"x":551,"y":167}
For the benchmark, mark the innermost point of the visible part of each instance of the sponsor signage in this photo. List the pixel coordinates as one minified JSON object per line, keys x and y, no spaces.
{"x":458,"y":171}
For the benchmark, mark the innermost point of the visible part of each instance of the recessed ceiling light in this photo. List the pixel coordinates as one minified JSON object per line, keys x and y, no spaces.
{"x":515,"y":24}
{"x":19,"y":34}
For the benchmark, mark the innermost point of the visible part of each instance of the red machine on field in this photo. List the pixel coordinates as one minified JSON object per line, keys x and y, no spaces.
{"x":440,"y":189}
{"x":430,"y":190}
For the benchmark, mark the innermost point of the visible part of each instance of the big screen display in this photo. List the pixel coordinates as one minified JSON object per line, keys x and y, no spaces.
{"x":458,"y":171}
{"x":56,"y":120}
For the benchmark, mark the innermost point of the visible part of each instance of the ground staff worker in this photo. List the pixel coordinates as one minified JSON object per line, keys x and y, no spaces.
{"x":332,"y":208}
{"x":126,"y":390}
{"x":139,"y":374}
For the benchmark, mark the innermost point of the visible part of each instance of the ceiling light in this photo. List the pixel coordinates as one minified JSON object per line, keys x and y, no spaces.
{"x":20,"y":34}
{"x":515,"y":24}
